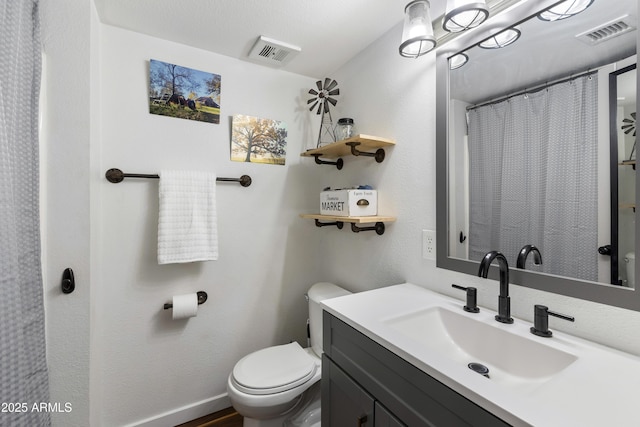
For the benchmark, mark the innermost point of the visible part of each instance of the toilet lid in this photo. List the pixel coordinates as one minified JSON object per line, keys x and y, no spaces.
{"x":274,"y":369}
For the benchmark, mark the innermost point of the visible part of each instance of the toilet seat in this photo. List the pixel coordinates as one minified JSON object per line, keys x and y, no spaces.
{"x":274,"y":370}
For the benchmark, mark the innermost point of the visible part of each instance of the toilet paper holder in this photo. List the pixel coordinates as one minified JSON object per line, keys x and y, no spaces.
{"x":202,"y":298}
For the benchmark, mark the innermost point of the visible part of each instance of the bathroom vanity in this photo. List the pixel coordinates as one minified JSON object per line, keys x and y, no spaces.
{"x":362,"y":380}
{"x":401,"y":355}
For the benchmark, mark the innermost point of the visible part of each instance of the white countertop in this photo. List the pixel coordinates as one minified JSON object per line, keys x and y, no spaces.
{"x":600,"y":388}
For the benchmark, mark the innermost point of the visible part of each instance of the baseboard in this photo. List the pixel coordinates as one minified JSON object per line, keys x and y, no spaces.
{"x":186,"y":413}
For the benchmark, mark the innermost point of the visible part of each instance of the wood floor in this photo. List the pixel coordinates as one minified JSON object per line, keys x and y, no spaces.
{"x":225,"y":418}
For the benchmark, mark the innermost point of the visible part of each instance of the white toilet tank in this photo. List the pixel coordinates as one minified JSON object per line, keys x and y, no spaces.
{"x":630,"y":260}
{"x":318,"y":292}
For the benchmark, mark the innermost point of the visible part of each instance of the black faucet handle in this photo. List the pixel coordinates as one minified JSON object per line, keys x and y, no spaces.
{"x":472,"y":304}
{"x":541,"y":315}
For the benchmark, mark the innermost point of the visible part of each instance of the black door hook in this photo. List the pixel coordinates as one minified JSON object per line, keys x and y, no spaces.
{"x":605,"y":250}
{"x":68,"y":284}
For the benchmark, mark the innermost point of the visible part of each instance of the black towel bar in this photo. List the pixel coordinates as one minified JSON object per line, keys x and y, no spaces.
{"x":116,"y":175}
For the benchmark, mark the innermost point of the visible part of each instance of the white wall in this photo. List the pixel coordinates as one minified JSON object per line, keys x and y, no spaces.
{"x":394,"y":97}
{"x":150,"y":364}
{"x":65,"y":200}
{"x":458,"y":167}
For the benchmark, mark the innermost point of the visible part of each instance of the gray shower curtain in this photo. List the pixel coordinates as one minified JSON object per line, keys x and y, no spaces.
{"x":23,"y":368}
{"x":533,"y":177}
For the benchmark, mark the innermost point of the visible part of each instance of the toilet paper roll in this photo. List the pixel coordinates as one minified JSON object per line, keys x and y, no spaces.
{"x":185,"y":306}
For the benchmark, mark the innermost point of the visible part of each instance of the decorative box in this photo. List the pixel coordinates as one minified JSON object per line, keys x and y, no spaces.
{"x":349,"y":202}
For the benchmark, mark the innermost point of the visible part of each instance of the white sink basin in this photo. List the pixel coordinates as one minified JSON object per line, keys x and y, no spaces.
{"x":508,"y":356}
{"x":533,"y":381}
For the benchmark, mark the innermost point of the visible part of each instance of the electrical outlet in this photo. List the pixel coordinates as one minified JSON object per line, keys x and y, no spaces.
{"x":429,"y":244}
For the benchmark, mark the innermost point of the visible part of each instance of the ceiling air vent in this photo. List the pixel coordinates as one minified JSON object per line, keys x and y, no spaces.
{"x":607,"y":31}
{"x":272,"y":52}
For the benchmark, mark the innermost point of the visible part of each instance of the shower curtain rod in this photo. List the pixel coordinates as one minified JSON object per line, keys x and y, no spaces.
{"x":115,"y":176}
{"x":533,"y":89}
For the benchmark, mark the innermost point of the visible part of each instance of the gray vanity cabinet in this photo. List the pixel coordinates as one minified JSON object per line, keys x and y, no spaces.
{"x":364,"y":384}
{"x":349,"y":404}
{"x":384,"y":418}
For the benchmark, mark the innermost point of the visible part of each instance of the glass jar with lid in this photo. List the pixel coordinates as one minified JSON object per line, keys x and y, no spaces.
{"x":344,"y":130}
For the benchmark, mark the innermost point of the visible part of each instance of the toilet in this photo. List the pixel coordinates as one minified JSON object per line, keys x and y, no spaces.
{"x":630,"y":260}
{"x":280,"y":385}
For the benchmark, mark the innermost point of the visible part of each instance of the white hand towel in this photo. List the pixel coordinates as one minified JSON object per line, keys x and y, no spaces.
{"x":187,"y":222}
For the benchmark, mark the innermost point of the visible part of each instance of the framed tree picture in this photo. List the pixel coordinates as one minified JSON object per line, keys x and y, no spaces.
{"x":258,"y":140}
{"x":183,"y":92}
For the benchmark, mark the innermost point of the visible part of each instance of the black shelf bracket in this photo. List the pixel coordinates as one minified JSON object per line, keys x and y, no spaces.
{"x":338,"y":224}
{"x":338,"y":163}
{"x":378,"y":155}
{"x":378,"y":228}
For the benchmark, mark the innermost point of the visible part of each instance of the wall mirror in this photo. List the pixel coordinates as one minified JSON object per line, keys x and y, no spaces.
{"x":532,"y":149}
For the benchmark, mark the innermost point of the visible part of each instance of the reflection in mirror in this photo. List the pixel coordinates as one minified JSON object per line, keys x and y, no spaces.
{"x":533,"y":177}
{"x":526,"y":141}
{"x":622,"y":102}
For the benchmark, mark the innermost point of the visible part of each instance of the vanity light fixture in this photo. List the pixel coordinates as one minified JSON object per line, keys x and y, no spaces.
{"x":461,"y":15}
{"x":502,"y":39}
{"x":457,"y":61}
{"x":565,"y":10}
{"x":417,"y":33}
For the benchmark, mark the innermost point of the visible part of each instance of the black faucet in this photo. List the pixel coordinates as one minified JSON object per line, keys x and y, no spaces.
{"x":541,"y":315}
{"x":504,"y":302}
{"x":472,"y":299}
{"x":524,"y":253}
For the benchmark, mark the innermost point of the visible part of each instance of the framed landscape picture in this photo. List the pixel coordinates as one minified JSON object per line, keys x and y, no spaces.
{"x":258,"y":140}
{"x":183,"y":92}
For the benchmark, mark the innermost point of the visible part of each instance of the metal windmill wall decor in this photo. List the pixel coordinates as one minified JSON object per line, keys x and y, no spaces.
{"x":629,"y":125}
{"x":321,"y":99}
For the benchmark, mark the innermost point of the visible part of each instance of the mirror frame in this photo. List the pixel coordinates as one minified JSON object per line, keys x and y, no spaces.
{"x":613,"y":166}
{"x":613,"y":295}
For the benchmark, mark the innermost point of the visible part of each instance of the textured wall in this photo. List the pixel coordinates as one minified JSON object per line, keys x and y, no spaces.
{"x":65,"y":200}
{"x":394,"y":97}
{"x":265,"y":265}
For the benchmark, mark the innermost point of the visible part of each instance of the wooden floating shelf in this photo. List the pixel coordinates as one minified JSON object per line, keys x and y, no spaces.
{"x":353,"y":219}
{"x":355,"y":146}
{"x":631,"y":163}
{"x":338,"y":221}
{"x":341,"y":148}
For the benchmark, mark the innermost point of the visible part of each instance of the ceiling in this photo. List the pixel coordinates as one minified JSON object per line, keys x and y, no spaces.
{"x":329,"y":32}
{"x":545,"y":52}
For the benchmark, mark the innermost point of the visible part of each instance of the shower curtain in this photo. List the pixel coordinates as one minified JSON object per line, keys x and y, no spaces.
{"x":23,"y":369}
{"x":533,"y":177}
